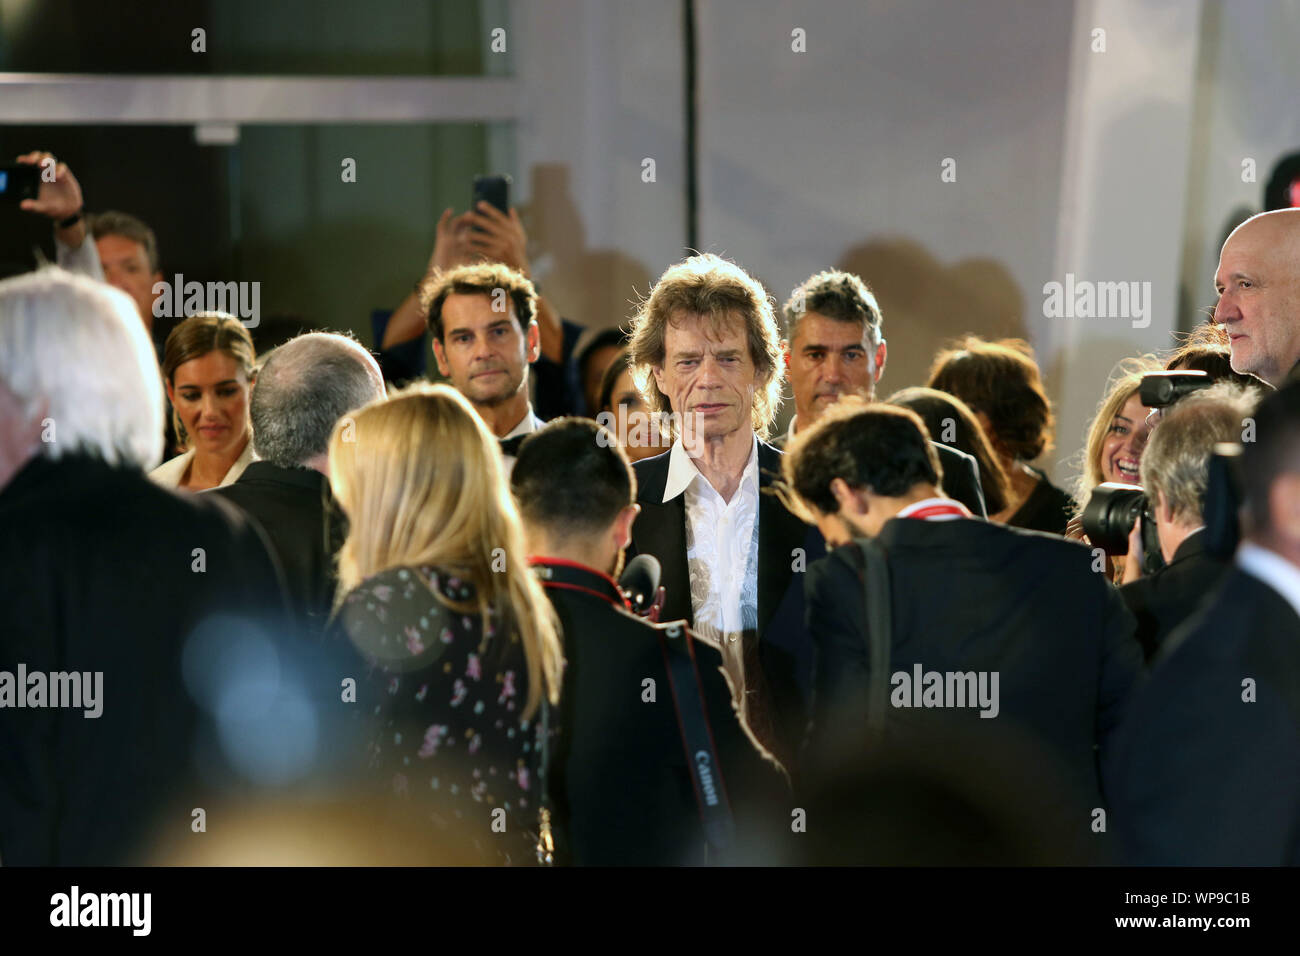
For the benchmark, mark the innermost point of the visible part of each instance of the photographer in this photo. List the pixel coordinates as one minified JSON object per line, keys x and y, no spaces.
{"x":1174,"y":472}
{"x":1206,"y":768}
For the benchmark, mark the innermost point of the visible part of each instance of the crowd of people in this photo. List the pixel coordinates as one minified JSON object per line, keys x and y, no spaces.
{"x":586,"y":607}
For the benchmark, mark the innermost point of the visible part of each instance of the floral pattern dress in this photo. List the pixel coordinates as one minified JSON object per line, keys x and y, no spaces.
{"x":443,"y":697}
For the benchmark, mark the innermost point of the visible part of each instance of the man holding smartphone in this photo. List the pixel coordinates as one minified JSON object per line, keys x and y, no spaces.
{"x":487,"y":234}
{"x":60,"y":200}
{"x":124,"y":252}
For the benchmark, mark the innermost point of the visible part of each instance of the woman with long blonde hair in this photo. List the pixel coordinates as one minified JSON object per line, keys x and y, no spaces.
{"x":439,"y":599}
{"x":1116,"y":438}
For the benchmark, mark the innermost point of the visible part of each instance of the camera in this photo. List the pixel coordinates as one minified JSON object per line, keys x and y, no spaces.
{"x":1108,"y":519}
{"x":1113,"y":508}
{"x":1162,"y":389}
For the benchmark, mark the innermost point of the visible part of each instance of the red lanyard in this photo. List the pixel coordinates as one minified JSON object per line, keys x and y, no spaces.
{"x":938,"y":511}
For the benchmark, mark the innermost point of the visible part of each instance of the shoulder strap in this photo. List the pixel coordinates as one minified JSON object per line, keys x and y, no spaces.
{"x":697,"y":738}
{"x":879,"y":633}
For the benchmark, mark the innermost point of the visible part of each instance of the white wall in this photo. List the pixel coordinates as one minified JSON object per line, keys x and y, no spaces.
{"x":1247,"y":82}
{"x":832,"y":157}
{"x":1117,"y":166}
{"x":601,"y":88}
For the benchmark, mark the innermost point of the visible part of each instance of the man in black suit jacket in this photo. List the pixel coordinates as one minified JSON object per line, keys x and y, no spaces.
{"x":302,"y":391}
{"x":622,"y":785}
{"x":705,"y":351}
{"x":835,"y":346}
{"x":1048,"y":642}
{"x":1175,"y":472}
{"x":106,"y":575}
{"x":1207,"y":768}
{"x":1162,"y":601}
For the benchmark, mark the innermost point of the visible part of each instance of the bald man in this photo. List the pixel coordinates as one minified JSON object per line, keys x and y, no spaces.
{"x":1259,"y":294}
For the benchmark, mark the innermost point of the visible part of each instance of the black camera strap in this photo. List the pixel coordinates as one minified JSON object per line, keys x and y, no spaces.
{"x":697,"y":738}
{"x":879,"y":633}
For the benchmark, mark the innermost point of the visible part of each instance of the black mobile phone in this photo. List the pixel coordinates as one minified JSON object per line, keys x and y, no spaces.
{"x":494,"y":190}
{"x":19,"y":182}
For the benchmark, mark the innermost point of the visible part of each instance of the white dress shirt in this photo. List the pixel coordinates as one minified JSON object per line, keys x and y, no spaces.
{"x":721,"y":556}
{"x":527,"y":425}
{"x":1273,"y":569}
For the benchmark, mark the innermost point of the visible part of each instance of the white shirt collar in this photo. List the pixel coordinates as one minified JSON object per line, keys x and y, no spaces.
{"x":1273,"y":569}
{"x":527,"y":425}
{"x":682,"y":470}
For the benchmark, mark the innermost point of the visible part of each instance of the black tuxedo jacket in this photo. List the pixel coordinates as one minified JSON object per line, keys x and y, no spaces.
{"x":1203,"y":777}
{"x":968,"y":595}
{"x":101,"y":573}
{"x":781,"y":649}
{"x":1163,"y":600}
{"x":296,"y":510}
{"x":619,"y":781}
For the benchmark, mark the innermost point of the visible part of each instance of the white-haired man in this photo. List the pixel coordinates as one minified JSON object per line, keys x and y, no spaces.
{"x":105,"y":576}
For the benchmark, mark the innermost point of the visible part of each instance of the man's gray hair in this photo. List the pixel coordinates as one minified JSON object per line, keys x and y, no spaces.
{"x":76,"y":354}
{"x":1176,"y":459}
{"x":304,"y":388}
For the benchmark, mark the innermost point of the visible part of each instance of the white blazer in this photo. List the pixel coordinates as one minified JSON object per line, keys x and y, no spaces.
{"x":170,"y":473}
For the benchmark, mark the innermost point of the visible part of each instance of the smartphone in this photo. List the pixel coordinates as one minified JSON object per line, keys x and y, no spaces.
{"x":494,"y":190}
{"x":19,"y":182}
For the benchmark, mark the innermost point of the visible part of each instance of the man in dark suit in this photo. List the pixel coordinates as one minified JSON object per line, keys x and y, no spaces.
{"x":1207,"y":767}
{"x":1175,"y":472}
{"x":979,"y":605}
{"x":835,"y":346}
{"x":305,"y":387}
{"x":706,"y":353}
{"x":622,"y":783}
{"x":107,"y":577}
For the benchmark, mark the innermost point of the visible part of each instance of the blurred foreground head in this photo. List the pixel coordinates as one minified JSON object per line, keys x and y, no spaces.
{"x":943,"y":795}
{"x":78,"y":374}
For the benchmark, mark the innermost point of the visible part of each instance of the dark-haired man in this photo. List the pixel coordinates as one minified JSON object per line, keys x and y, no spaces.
{"x":1207,"y":766}
{"x":621,"y":782}
{"x":483,"y":320}
{"x":835,"y":346}
{"x":124,"y":252}
{"x":967,"y":598}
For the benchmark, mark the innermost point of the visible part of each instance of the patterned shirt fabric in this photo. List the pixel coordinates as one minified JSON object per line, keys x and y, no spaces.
{"x":444,"y":696}
{"x":721,"y":555}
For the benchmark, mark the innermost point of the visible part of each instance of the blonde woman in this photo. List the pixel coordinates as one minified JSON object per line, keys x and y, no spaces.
{"x":208,"y":371}
{"x":1116,"y":438}
{"x":439,"y":600}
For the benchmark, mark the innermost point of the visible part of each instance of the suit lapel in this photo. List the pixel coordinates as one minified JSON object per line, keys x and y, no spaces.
{"x":779,"y":534}
{"x":660,"y":530}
